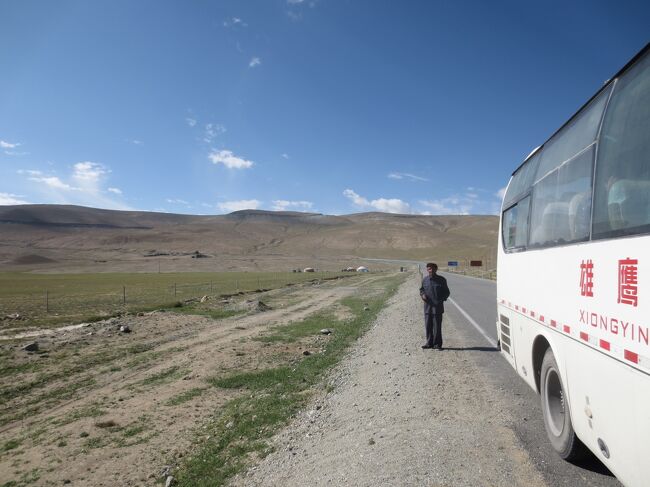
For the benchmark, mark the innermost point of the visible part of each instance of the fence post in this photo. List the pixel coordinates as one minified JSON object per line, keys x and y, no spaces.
{"x":210,"y":287}
{"x":174,"y":289}
{"x":259,"y":285}
{"x":47,"y":301}
{"x":237,"y":285}
{"x":124,"y":295}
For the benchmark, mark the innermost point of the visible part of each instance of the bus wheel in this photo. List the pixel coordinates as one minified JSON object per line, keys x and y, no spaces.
{"x":557,"y":418}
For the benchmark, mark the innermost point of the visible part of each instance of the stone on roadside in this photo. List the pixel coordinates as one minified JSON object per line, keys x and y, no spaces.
{"x":31,"y":347}
{"x":306,"y":352}
{"x":204,"y":299}
{"x":125,"y":329}
{"x":170,"y":481}
{"x":326,"y":331}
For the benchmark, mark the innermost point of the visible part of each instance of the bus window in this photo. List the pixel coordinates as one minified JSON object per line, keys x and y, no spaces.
{"x":562,"y":203}
{"x":515,"y":225}
{"x":573,"y":138}
{"x":522,"y":180}
{"x":622,"y":193}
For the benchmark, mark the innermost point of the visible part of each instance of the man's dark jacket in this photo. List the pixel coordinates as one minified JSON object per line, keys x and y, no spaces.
{"x":436,"y":292}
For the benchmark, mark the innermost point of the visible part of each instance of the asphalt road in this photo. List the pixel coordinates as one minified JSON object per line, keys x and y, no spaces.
{"x":473,"y":306}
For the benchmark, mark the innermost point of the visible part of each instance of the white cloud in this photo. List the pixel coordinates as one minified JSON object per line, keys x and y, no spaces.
{"x":388,"y":205}
{"x":177,"y":201}
{"x":8,"y":145}
{"x":212,"y":130}
{"x":11,"y":199}
{"x":230,"y":206}
{"x":448,"y":206}
{"x":190,"y":121}
{"x":235,"y":22}
{"x":53,"y":182}
{"x":228,"y":159}
{"x":254,"y":62}
{"x":295,"y":2}
{"x":471,"y":195}
{"x":283,"y":205}
{"x":83,"y":186}
{"x":89,"y":173}
{"x":406,"y":175}
{"x":134,"y":141}
{"x":501,"y":193}
{"x":285,"y":155}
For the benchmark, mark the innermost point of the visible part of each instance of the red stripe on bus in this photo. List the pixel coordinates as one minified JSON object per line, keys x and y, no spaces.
{"x":524,"y":310}
{"x":516,"y":307}
{"x":631,"y":356}
{"x":532,"y":313}
{"x":541,"y":318}
{"x":553,"y":323}
{"x":604,"y":344}
{"x":584,"y":336}
{"x":567,"y":329}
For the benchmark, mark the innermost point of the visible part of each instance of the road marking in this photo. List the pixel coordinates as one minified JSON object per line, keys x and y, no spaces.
{"x":469,"y":318}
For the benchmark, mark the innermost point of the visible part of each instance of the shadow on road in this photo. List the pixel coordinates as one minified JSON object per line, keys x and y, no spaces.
{"x":479,"y":349}
{"x":593,"y":464}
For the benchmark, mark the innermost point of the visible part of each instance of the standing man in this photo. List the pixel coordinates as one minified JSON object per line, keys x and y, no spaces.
{"x":434,"y":292}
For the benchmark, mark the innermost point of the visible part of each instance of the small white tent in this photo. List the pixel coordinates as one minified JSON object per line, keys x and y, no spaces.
{"x":362,"y":269}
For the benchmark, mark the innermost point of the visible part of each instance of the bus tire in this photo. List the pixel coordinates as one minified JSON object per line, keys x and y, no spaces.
{"x":555,"y":408}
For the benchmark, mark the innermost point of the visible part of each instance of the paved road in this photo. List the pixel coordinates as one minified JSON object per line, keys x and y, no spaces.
{"x":474,"y":305}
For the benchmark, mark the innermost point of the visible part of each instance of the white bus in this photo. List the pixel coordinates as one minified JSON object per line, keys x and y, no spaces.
{"x":573,"y":288}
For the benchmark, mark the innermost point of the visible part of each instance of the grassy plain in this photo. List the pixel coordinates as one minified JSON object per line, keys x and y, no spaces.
{"x":44,"y":300}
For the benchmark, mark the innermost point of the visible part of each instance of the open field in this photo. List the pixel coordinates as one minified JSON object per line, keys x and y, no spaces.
{"x":95,"y":406}
{"x":47,"y":300}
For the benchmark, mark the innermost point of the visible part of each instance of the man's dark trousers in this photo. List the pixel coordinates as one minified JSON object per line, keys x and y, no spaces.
{"x":433,"y":328}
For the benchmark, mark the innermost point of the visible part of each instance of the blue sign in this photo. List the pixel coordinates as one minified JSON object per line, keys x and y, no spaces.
{"x":452,"y":263}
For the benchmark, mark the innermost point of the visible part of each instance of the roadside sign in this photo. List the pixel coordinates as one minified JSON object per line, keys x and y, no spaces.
{"x":476,"y":263}
{"x":452,"y":263}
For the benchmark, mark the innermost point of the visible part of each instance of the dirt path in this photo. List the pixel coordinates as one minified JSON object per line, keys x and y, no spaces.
{"x":130,"y":418}
{"x":400,"y":415}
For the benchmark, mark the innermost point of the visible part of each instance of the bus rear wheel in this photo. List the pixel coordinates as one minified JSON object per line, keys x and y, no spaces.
{"x":557,"y":418}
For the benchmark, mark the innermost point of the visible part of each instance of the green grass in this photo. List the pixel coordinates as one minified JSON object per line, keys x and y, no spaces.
{"x":186,"y":396}
{"x":11,"y":444}
{"x":87,"y":297}
{"x":241,"y":430}
{"x":163,"y":376}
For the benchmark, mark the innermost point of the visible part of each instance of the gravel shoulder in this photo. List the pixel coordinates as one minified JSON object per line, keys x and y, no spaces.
{"x":400,"y":415}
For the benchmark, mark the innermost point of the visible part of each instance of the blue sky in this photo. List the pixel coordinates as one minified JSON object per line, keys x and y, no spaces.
{"x":331,"y":106}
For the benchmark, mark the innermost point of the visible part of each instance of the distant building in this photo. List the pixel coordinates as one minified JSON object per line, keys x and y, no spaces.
{"x":362,"y":269}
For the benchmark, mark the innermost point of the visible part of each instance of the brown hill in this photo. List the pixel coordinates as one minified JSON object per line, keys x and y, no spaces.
{"x":74,"y":238}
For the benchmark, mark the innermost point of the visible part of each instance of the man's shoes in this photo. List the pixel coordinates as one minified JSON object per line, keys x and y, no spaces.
{"x":427,"y":346}
{"x":437,"y":347}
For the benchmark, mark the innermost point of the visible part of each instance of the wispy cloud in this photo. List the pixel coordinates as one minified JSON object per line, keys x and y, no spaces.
{"x":407,"y":176}
{"x":133,"y":141}
{"x":8,"y":145}
{"x":83,"y":186}
{"x":230,"y":206}
{"x":211,"y":131}
{"x":234,"y":22}
{"x":388,"y":205}
{"x":254,"y":62}
{"x":177,"y":201}
{"x":228,"y":159}
{"x":448,"y":206}
{"x":285,"y":155}
{"x":11,"y":199}
{"x":501,"y":193}
{"x":190,"y":121}
{"x":283,"y":205}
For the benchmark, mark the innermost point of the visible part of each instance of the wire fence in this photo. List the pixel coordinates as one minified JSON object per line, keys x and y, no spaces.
{"x":49,"y":307}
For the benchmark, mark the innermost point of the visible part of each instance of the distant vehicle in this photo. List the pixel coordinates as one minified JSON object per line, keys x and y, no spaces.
{"x":362,"y":269}
{"x":309,"y":269}
{"x":573,"y":288}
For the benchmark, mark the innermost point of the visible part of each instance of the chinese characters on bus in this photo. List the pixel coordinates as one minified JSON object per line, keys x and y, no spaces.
{"x":628,"y":292}
{"x":627,"y":281}
{"x":587,"y":278}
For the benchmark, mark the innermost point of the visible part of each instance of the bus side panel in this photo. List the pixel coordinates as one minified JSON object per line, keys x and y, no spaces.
{"x":616,"y":398}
